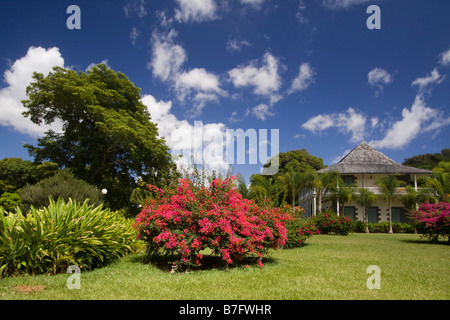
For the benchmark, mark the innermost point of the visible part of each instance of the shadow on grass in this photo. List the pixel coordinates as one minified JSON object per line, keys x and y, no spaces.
{"x":166,"y":263}
{"x":427,"y":241}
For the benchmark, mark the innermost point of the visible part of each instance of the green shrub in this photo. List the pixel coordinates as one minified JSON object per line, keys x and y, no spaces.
{"x":9,"y":201}
{"x":62,"y":185}
{"x":49,"y":240}
{"x":383,"y":227}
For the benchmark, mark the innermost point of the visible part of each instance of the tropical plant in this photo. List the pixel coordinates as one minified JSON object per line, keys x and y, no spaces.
{"x":365,"y":198}
{"x":414,"y":197}
{"x":68,"y":233}
{"x":264,"y":189}
{"x":321,"y":182}
{"x":342,"y":193}
{"x":243,"y":189}
{"x":440,"y":182}
{"x":292,"y":182}
{"x":191,"y":217}
{"x":389,"y":185}
{"x":9,"y":201}
{"x":328,"y":222}
{"x":433,"y":220}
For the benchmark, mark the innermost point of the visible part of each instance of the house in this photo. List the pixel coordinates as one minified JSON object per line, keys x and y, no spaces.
{"x":362,"y":167}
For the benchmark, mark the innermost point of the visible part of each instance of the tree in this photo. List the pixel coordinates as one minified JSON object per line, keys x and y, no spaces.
{"x":342,"y":193}
{"x":365,"y":198}
{"x":321,"y":182}
{"x":266,"y":189}
{"x":440,"y":182}
{"x":107,"y":138}
{"x":413,"y":198}
{"x":242,"y":187}
{"x":428,"y":161}
{"x":388,"y":185}
{"x":292,"y":182}
{"x":16,"y":173}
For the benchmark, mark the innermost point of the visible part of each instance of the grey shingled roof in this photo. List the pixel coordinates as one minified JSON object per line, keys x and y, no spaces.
{"x":365,"y":159}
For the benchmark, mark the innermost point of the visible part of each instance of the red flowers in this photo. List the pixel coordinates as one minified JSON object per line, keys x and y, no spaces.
{"x":190,"y":218}
{"x":433,"y":220}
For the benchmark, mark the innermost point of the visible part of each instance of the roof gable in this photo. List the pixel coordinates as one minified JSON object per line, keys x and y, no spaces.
{"x":365,"y":159}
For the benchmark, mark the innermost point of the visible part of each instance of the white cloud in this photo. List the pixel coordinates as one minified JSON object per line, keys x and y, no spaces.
{"x":415,"y":121}
{"x":433,"y":78}
{"x":135,"y":7}
{"x":134,"y":35}
{"x":185,"y":139}
{"x":342,"y":4}
{"x":378,"y":78}
{"x":236,"y":46}
{"x":254,"y":3}
{"x":445,"y":58}
{"x":350,"y":122}
{"x":265,"y":79}
{"x":261,"y":112}
{"x":18,"y":77}
{"x":195,"y":10}
{"x":304,"y":79}
{"x":167,"y":57}
{"x":299,"y":15}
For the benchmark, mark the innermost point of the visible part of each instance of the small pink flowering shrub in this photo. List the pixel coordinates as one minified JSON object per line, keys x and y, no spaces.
{"x":299,"y":229}
{"x":331,"y":223}
{"x":433,"y":220}
{"x":190,"y":218}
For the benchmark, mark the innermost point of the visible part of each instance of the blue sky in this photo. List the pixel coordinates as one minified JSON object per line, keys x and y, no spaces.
{"x":310,"y":69}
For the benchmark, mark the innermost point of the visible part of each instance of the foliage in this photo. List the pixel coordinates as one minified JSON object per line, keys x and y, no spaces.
{"x":295,"y":161}
{"x":412,"y":198}
{"x":328,"y":222}
{"x":365,"y":198}
{"x":16,"y":173}
{"x":107,"y":136}
{"x":299,"y":229}
{"x":267,"y":190}
{"x":428,"y":161}
{"x":388,"y":186}
{"x":49,"y":240}
{"x":62,"y":185}
{"x":433,"y":220}
{"x":383,"y":227}
{"x":322,"y":183}
{"x":192,"y":216}
{"x":9,"y":201}
{"x":440,"y":182}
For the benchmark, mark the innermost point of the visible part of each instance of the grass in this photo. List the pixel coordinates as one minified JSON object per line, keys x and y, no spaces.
{"x":328,"y":267}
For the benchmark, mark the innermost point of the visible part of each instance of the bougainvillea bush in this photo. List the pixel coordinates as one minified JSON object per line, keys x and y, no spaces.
{"x":299,"y":229}
{"x":189,"y":218}
{"x":433,"y":220}
{"x":330,"y":223}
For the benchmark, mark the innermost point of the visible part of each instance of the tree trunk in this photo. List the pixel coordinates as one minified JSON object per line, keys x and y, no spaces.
{"x":366,"y":217}
{"x":390,"y":218}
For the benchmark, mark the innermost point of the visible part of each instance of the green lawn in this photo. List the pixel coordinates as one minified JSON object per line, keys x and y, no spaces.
{"x":328,"y":267}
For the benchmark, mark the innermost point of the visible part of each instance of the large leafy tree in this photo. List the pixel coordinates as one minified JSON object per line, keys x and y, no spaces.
{"x":107,"y":136}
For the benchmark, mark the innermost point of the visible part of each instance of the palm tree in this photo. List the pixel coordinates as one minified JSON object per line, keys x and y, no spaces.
{"x":388,"y":185}
{"x":292,"y":182}
{"x":412,"y":197}
{"x":365,"y":198}
{"x":440,"y":182}
{"x":321,"y":182}
{"x":343,"y":194}
{"x":262,"y":188}
{"x":242,"y":187}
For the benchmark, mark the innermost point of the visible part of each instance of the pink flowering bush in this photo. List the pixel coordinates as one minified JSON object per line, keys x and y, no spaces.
{"x":299,"y":229}
{"x":331,"y":223}
{"x":433,"y":220}
{"x":189,"y":218}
